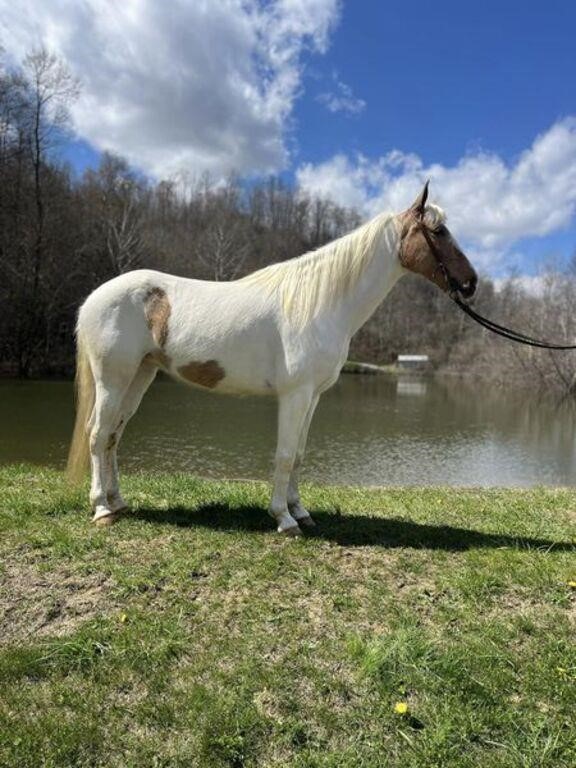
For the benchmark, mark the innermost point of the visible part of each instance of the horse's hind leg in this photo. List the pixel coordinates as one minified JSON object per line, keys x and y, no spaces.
{"x":130,"y":402}
{"x":111,"y":386}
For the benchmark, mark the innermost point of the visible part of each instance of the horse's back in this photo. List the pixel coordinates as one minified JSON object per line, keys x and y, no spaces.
{"x":183,"y":324}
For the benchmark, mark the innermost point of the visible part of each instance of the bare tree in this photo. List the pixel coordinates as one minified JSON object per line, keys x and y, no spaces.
{"x":51,"y":89}
{"x":223,"y":247}
{"x":33,"y":109}
{"x":118,"y":203}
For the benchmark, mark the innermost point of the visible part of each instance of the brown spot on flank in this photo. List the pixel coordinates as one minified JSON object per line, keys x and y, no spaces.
{"x":206,"y":374}
{"x":157,"y":309}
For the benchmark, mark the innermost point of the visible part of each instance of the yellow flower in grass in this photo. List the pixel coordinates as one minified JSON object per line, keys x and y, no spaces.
{"x":572,"y":584}
{"x":562,"y":671}
{"x":401,"y":708}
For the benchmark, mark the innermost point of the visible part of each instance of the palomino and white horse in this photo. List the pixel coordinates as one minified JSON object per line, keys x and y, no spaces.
{"x":284,"y":330}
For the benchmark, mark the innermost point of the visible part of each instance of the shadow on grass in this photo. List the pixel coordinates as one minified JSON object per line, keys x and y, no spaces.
{"x":357,"y":530}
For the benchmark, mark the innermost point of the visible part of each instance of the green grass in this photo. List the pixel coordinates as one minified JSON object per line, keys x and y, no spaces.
{"x":191,"y":634}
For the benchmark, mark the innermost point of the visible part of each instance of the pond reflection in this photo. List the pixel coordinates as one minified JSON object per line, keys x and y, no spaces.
{"x":368,"y":430}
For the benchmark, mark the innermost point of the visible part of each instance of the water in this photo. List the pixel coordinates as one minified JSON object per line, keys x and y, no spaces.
{"x":368,"y":430}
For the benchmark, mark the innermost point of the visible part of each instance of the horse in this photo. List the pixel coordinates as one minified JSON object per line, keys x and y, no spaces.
{"x":283,"y":330}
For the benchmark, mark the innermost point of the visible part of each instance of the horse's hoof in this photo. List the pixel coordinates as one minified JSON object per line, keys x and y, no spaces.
{"x":123,"y":510}
{"x":293,"y":532}
{"x":105,"y":520}
{"x":307,"y":522}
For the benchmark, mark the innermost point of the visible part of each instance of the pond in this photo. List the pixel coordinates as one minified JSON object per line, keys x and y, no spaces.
{"x":368,"y":430}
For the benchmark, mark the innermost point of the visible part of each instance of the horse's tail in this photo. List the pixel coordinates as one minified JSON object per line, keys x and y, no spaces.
{"x":79,"y":453}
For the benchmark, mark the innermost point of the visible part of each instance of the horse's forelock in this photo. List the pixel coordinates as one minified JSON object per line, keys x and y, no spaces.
{"x":434,"y":216}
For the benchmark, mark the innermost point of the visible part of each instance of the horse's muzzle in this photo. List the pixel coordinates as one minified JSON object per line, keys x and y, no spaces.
{"x":468,"y":288}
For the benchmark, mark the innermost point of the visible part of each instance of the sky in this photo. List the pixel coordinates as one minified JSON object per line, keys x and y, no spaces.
{"x":358,"y":100}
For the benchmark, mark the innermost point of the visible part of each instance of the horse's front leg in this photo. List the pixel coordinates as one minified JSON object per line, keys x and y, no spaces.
{"x":297,"y":510}
{"x":292,"y":411}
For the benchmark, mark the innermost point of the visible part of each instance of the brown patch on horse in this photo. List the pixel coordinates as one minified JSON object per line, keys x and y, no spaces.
{"x":206,"y":374}
{"x":157,"y":309}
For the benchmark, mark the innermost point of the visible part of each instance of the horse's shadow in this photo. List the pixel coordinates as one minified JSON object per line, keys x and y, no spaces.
{"x":350,"y":531}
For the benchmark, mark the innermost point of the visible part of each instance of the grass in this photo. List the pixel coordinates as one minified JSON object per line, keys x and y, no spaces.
{"x":190,"y":634}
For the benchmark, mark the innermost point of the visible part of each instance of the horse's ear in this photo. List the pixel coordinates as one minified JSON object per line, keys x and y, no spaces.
{"x":420,"y":203}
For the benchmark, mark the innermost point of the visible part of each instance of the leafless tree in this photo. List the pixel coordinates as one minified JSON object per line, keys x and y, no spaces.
{"x":223,"y":247}
{"x":50,"y":88}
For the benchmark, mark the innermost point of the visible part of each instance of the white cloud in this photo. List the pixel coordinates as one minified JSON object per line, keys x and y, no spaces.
{"x":341,"y":99}
{"x":490,"y":204}
{"x":200,"y":85}
{"x":533,"y":285}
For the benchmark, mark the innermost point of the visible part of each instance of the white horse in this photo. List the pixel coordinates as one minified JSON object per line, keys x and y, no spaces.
{"x":284,"y":330}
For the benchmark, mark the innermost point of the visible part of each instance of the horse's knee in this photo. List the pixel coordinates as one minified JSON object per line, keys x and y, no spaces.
{"x":284,"y":462}
{"x":101,"y":440}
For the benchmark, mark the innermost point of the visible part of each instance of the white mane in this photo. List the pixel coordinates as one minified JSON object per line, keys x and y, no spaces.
{"x":318,"y":279}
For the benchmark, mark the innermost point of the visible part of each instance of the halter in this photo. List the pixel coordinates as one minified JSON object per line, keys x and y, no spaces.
{"x":490,"y":325}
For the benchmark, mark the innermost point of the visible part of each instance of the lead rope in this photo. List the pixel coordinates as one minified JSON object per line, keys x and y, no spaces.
{"x":507,"y":333}
{"x":490,"y":325}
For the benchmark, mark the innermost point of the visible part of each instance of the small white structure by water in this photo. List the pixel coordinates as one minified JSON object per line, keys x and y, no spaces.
{"x":413,"y":361}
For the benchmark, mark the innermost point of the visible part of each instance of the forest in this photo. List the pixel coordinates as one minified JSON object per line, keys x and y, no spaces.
{"x":63,"y":233}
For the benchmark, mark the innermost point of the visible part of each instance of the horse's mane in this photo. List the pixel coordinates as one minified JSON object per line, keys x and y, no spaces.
{"x":309,"y":283}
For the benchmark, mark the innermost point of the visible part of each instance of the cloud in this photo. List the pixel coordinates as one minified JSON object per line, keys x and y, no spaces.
{"x":491,"y":204}
{"x":342,"y":99}
{"x":533,"y":285}
{"x":203,"y":85}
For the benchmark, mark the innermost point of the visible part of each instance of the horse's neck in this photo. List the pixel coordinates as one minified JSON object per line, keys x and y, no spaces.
{"x":381,"y":273}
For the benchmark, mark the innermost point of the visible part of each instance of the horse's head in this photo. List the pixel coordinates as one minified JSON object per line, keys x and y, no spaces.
{"x":428,"y":248}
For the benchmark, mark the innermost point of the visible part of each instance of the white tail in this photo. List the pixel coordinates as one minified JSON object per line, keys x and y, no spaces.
{"x":79,"y":454}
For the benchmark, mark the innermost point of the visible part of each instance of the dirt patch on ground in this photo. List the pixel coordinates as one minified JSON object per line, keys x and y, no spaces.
{"x":35,"y":604}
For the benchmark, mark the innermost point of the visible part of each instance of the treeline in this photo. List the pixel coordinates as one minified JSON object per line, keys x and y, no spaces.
{"x":61,"y":236}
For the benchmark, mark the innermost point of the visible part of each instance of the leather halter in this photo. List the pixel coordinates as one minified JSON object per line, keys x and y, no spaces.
{"x":490,"y":325}
{"x":437,"y":253}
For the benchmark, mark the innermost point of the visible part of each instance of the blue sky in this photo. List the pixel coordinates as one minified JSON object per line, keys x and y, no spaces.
{"x":356,"y":100}
{"x":444,"y":80}
{"x":440,"y":78}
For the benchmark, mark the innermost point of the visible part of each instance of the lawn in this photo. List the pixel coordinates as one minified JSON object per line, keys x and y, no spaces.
{"x":191,"y":634}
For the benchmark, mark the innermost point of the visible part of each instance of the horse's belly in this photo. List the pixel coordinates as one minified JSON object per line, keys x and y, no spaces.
{"x":243,"y":369}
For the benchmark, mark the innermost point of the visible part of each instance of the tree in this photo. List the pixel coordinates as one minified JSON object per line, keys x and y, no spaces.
{"x":223,"y":247}
{"x":50,"y":88}
{"x":33,"y":105}
{"x":118,"y":206}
